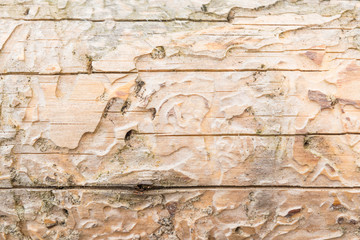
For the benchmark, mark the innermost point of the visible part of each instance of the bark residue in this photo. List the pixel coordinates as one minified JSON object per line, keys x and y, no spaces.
{"x":108,"y":106}
{"x":328,"y":102}
{"x":322,"y":99}
{"x":89,"y":64}
{"x":153,"y":113}
{"x":316,"y":57}
{"x":139,"y":85}
{"x":125,"y":106}
{"x":158,"y":52}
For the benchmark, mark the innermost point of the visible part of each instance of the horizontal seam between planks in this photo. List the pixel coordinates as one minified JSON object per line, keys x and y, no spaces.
{"x":311,"y":26}
{"x":115,"y":20}
{"x":249,"y":134}
{"x":149,"y":188}
{"x":160,"y":70}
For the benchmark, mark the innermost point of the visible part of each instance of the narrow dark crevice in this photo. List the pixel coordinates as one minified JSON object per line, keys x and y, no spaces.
{"x":62,"y":73}
{"x":232,"y":70}
{"x":250,"y":134}
{"x":148,"y":187}
{"x":115,"y":20}
{"x":159,"y":71}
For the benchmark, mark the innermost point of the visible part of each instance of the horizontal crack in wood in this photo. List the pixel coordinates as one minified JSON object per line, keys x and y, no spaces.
{"x":250,"y":134}
{"x":115,"y":20}
{"x":160,"y":71}
{"x":145,"y":187}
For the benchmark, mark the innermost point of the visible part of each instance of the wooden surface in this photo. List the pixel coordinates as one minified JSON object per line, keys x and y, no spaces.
{"x":180,"y":214}
{"x":179,"y":119}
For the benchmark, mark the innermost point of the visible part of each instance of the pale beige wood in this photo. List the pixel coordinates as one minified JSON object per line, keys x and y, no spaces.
{"x":78,"y":129}
{"x":190,"y":161}
{"x":185,"y":119}
{"x":84,"y":46}
{"x":68,"y":105}
{"x":270,"y":102}
{"x":63,"y":108}
{"x":180,"y":214}
{"x":166,"y":10}
{"x":113,"y":9}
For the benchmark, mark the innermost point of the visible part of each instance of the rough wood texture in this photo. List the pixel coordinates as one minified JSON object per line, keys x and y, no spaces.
{"x":253,"y":107}
{"x":182,"y":214}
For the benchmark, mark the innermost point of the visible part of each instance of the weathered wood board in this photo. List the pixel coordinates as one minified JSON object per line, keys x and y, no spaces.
{"x":180,"y":214}
{"x":179,"y":119}
{"x":251,"y":102}
{"x":117,"y":46}
{"x":241,"y":128}
{"x":168,"y":10}
{"x":190,"y":161}
{"x":80,"y":46}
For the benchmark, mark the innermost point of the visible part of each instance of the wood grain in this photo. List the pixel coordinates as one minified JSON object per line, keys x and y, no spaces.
{"x":179,"y":119}
{"x":319,"y":37}
{"x":190,"y":161}
{"x":180,"y":103}
{"x":183,"y":129}
{"x":180,"y":214}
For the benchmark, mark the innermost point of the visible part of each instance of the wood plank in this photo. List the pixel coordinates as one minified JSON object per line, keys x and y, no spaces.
{"x":62,"y":108}
{"x":84,"y":46}
{"x":180,"y":214}
{"x":190,"y":161}
{"x":111,"y":9}
{"x":76,"y":128}
{"x":164,"y":10}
